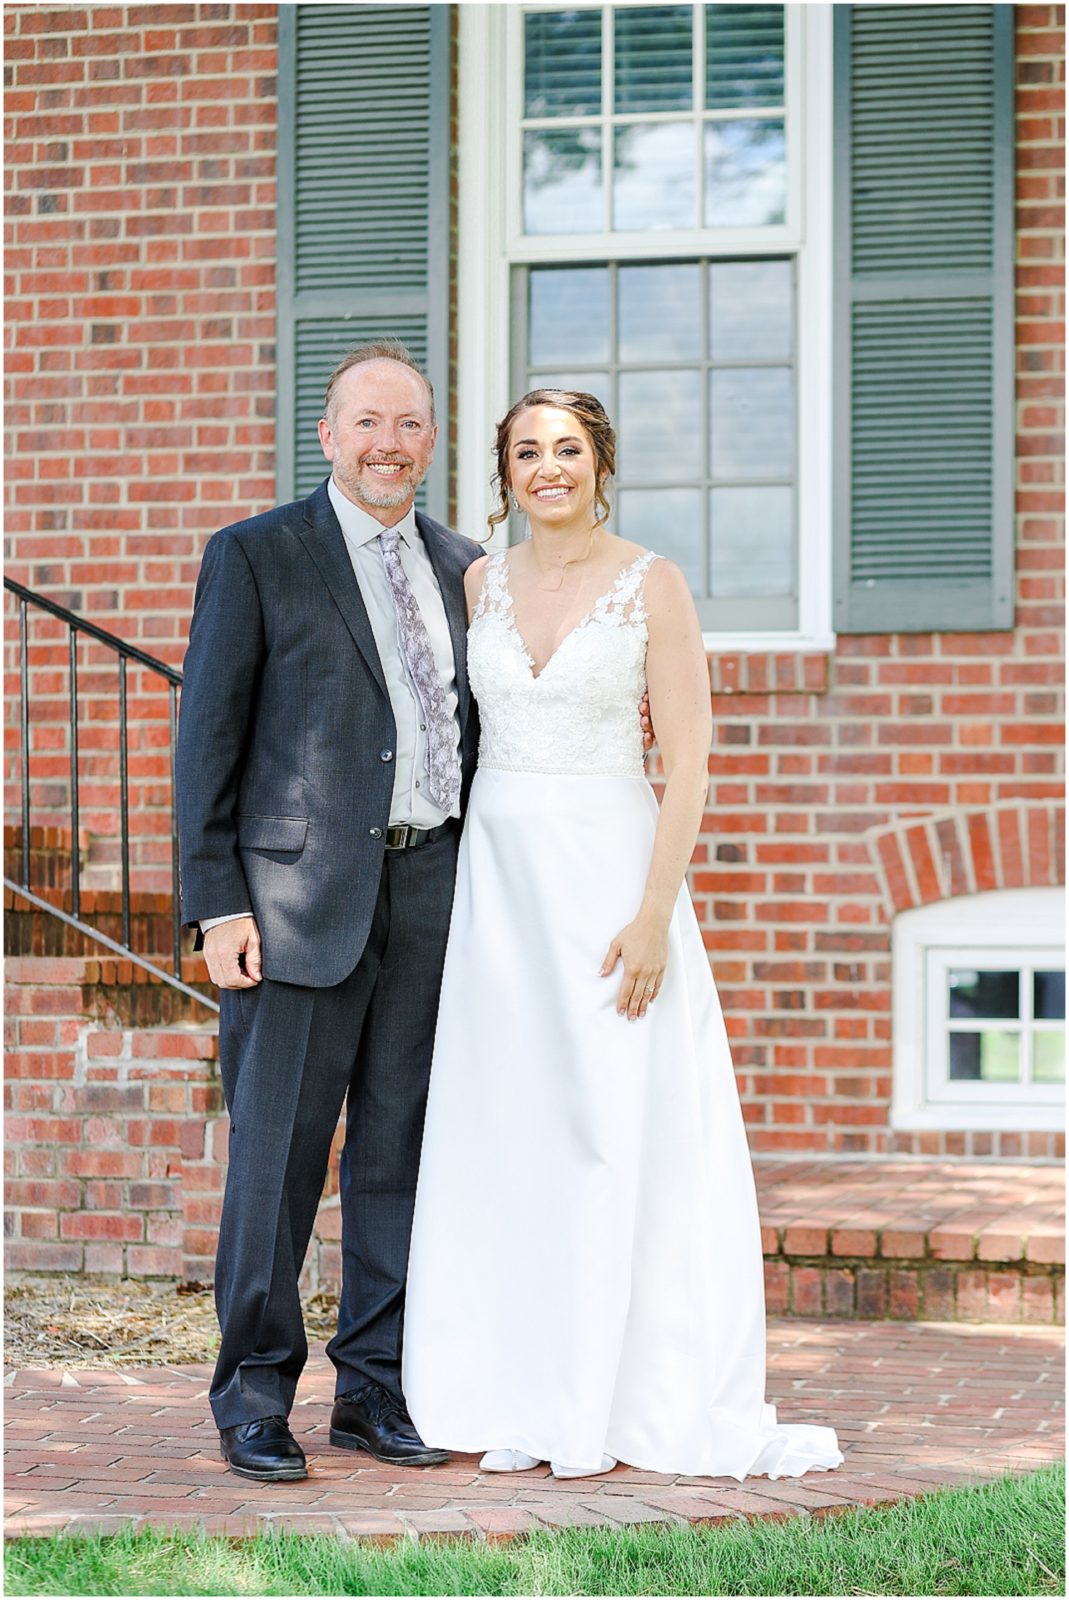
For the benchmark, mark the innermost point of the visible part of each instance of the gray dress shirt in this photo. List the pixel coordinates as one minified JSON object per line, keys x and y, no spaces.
{"x":411,"y":802}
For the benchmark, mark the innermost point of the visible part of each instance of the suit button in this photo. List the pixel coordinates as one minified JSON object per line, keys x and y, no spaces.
{"x":385,"y":755}
{"x":376,"y":833}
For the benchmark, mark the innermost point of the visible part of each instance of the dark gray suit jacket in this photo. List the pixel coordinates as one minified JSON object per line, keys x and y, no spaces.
{"x":283,"y":790}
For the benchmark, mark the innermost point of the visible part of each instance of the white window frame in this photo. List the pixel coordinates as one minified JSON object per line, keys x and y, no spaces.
{"x":491,"y":243}
{"x":1007,"y":928}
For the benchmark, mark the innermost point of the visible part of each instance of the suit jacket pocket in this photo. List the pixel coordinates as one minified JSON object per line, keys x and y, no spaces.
{"x":272,"y":833}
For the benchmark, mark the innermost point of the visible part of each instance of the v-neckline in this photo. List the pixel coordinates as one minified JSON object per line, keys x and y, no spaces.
{"x":510,"y":615}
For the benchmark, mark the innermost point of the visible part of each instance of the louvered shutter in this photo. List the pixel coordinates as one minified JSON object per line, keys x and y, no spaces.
{"x":924,"y":317}
{"x":363,"y":193}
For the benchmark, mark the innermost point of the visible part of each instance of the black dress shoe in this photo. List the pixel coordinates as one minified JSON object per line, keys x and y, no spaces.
{"x":264,"y":1449}
{"x":371,"y":1419}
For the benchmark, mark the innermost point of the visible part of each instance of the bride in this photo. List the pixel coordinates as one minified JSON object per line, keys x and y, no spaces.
{"x":585,"y":1282}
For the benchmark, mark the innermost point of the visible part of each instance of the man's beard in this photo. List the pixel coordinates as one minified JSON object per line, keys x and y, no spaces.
{"x":385,"y":496}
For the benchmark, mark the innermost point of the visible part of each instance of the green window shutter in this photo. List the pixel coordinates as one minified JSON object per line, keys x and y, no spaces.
{"x":923,"y":317}
{"x":363,"y":198}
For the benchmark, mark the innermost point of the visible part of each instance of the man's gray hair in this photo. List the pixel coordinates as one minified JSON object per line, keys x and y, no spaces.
{"x":373,"y":350}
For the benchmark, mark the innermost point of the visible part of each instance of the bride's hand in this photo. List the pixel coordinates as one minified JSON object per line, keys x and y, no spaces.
{"x":643,"y":948}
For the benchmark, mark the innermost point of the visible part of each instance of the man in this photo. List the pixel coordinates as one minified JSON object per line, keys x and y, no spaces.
{"x":327,"y":740}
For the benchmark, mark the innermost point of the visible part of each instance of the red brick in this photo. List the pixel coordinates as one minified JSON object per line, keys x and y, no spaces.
{"x":777,"y":1287}
{"x":853,"y":1242}
{"x":972,"y":1296}
{"x":902,"y":1242}
{"x":952,"y":1243}
{"x":99,"y":1225}
{"x":939,"y":1294}
{"x":904,"y":1292}
{"x":806,"y":1291}
{"x":1046,"y":1246}
{"x":1037,"y":1300}
{"x":839,"y":1292}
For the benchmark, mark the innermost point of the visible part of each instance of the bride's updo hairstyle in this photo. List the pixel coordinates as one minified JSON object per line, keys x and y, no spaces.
{"x":590,"y":413}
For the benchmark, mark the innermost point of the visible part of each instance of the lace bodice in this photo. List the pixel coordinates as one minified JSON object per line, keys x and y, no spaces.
{"x":580,"y":714}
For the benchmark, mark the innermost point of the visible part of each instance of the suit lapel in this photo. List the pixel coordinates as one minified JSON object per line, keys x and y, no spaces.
{"x":450,"y":577}
{"x":322,"y":537}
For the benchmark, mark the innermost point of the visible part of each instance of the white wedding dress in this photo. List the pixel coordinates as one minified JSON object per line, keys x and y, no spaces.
{"x":586,"y":1272}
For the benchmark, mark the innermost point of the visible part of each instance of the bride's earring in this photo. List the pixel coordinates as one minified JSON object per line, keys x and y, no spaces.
{"x":513,"y":501}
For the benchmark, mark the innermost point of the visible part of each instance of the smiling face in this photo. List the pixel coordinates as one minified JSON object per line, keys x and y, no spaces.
{"x":379,"y":436}
{"x":552,"y":468}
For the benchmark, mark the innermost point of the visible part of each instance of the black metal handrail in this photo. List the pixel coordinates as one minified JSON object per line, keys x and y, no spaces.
{"x":126,"y":652}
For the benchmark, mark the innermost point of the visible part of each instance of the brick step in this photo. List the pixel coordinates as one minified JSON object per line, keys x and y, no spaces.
{"x":110,"y":990}
{"x":99,"y":857}
{"x":30,"y":931}
{"x":937,"y":1241}
{"x":50,"y":855}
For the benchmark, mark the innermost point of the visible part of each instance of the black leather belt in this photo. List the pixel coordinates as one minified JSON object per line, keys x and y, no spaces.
{"x":404,"y":836}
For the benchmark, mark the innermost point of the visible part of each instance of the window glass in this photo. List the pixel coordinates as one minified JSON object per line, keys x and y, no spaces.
{"x":653,"y":58}
{"x":744,"y":57}
{"x":751,"y":422}
{"x":751,"y":542}
{"x":984,"y":994}
{"x":660,"y":312}
{"x":562,"y":63}
{"x":1049,"y":994}
{"x":568,"y":316}
{"x":990,"y":1056}
{"x":750,"y":311}
{"x":745,"y":174}
{"x":658,"y":426}
{"x":653,"y":177}
{"x":562,"y":180}
{"x":1048,"y":1064}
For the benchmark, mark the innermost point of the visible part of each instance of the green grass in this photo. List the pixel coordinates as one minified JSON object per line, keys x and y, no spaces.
{"x":1005,"y":1538}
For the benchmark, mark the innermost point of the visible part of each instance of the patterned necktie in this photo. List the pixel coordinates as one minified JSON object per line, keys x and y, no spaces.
{"x":442,"y":763}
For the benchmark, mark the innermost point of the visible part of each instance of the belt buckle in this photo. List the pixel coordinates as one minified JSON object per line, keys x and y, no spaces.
{"x":399,"y":835}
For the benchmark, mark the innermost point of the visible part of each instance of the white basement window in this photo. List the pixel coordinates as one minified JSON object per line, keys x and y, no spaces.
{"x":979,"y":1006}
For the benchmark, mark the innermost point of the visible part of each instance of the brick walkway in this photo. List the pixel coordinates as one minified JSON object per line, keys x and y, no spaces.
{"x":916,"y":1405}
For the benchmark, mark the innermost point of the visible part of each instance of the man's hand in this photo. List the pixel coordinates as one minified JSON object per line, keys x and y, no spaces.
{"x":232,"y":951}
{"x":649,"y":737}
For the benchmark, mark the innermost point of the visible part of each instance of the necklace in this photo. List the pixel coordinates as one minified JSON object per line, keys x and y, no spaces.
{"x":574,"y":561}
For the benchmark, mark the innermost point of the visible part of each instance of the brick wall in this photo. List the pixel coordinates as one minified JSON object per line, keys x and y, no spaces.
{"x":139,"y":352}
{"x":105,"y":1122}
{"x":898,"y":770}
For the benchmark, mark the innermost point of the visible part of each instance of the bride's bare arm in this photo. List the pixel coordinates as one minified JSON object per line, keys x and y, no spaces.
{"x":678,"y":677}
{"x":473,"y":582}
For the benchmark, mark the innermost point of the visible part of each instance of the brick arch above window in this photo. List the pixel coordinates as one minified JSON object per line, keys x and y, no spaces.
{"x":1018,"y":845}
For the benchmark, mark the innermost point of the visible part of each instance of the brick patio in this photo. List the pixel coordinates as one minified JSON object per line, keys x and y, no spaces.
{"x":917,"y":1406}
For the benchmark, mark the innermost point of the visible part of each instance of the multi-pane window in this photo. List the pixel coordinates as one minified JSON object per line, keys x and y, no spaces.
{"x":979,"y":1002}
{"x":651,"y":117}
{"x":694,"y":361}
{"x":647,"y":131}
{"x":994,"y":1023}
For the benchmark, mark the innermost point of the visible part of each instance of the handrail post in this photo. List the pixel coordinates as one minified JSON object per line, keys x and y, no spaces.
{"x":124,"y":803}
{"x":24,"y":738}
{"x":176,"y":886}
{"x":76,"y":864}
